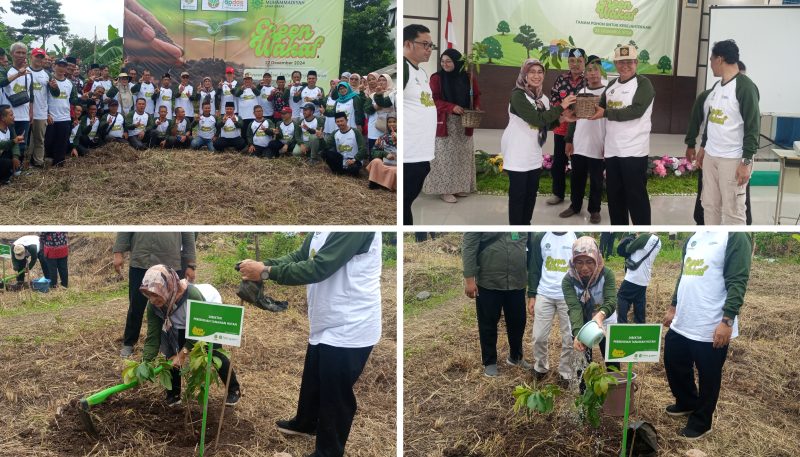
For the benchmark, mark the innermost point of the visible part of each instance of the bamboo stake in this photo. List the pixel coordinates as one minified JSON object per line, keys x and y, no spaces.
{"x":224,"y":399}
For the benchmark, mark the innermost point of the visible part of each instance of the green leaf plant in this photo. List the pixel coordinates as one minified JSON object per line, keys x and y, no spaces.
{"x":589,"y":403}
{"x":213,"y":29}
{"x":535,"y":400}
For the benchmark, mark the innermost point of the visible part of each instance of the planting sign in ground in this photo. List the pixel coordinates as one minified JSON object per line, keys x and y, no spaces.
{"x":214,"y":323}
{"x":633,"y":343}
{"x":515,"y":30}
{"x":5,"y":251}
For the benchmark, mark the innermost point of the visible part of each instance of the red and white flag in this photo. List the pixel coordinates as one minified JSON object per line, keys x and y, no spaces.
{"x":449,"y":33}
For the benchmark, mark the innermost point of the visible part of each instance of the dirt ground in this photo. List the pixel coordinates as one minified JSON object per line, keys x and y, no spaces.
{"x":115,"y":184}
{"x":60,"y":346}
{"x":452,"y":409}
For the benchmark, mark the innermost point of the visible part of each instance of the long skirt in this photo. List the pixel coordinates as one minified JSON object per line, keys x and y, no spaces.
{"x":453,"y":168}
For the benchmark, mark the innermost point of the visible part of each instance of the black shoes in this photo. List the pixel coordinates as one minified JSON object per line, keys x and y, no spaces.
{"x":233,"y":398}
{"x":173,"y":399}
{"x":676,"y":411}
{"x":290,"y":427}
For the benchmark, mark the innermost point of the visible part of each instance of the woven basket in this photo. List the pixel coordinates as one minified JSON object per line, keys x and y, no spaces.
{"x":471,"y":119}
{"x":585,"y":106}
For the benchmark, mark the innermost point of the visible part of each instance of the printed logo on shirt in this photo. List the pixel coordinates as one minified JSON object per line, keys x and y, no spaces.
{"x":717,"y":116}
{"x":560,"y":265}
{"x":615,"y":104}
{"x":312,"y":253}
{"x":229,"y":128}
{"x":426,"y":99}
{"x":205,"y":128}
{"x":248,"y":97}
{"x":37,"y":85}
{"x":345,"y":148}
{"x":166,"y":98}
{"x":148,"y":94}
{"x":694,"y":267}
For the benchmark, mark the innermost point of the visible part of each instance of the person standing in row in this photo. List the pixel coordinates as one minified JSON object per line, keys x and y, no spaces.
{"x":495,"y":275}
{"x":420,"y":115}
{"x":453,"y":168}
{"x":702,"y":322}
{"x":641,"y":253}
{"x":55,"y":247}
{"x":627,"y":105}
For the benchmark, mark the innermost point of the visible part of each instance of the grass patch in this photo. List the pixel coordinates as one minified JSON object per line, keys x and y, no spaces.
{"x":669,"y":185}
{"x":412,"y":307}
{"x":389,"y":255}
{"x":63,"y":299}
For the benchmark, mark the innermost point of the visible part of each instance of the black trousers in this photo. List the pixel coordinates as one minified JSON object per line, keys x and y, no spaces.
{"x":223,"y":370}
{"x":582,"y":168}
{"x":84,"y":144}
{"x":19,"y":265}
{"x":137,"y":303}
{"x":57,"y":268}
{"x":489,"y":304}
{"x":237,"y":143}
{"x":699,"y":216}
{"x":522,"y":189}
{"x":681,"y":357}
{"x":335,"y":161}
{"x":155,"y":142}
{"x":607,"y":244}
{"x":56,"y":141}
{"x":6,"y":169}
{"x":559,"y":169}
{"x":414,"y":174}
{"x":136,"y":143}
{"x":626,"y":186}
{"x":631,"y":294}
{"x":327,"y":402}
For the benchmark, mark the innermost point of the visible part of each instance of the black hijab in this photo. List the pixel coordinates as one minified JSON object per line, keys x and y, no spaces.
{"x":455,"y":84}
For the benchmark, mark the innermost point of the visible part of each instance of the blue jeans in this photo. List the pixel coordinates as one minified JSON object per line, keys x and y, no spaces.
{"x":198,"y":143}
{"x":22,"y":128}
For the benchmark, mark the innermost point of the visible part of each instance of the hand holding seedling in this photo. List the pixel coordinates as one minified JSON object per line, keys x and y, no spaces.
{"x":141,"y":28}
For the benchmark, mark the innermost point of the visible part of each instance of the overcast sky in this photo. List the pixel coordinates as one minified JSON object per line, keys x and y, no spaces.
{"x":82,"y":16}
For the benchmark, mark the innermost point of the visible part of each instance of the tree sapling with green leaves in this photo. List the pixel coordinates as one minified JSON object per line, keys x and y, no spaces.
{"x":213,"y":29}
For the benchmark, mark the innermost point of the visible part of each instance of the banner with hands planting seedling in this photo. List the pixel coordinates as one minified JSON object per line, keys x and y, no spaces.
{"x":204,"y":37}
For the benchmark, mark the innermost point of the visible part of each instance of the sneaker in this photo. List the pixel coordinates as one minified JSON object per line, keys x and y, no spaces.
{"x":538,"y":375}
{"x":554,"y":200}
{"x":126,"y":351}
{"x":173,"y":399}
{"x":233,"y":398}
{"x":449,"y":198}
{"x":519,"y":363}
{"x":675,"y":411}
{"x":569,"y":212}
{"x":594,"y":218}
{"x":692,"y":435}
{"x":491,"y":371}
{"x":289,"y":427}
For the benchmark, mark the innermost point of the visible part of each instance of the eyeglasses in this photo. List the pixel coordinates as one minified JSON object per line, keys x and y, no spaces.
{"x":425,"y":44}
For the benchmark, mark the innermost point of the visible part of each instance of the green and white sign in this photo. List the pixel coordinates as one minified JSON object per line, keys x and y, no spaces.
{"x":633,"y":343}
{"x":5,"y":251}
{"x":515,"y":30}
{"x":214,"y":323}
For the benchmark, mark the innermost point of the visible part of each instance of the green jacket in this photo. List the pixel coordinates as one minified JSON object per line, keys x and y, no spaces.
{"x":165,"y":134}
{"x":302,"y":267}
{"x":575,"y":307}
{"x":747,"y":95}
{"x":152,"y":341}
{"x":9,"y":149}
{"x":249,"y":134}
{"x":129,"y":122}
{"x":523,"y":108}
{"x":736,"y":272}
{"x":641,"y":101}
{"x":176,"y":250}
{"x":298,"y":131}
{"x":497,"y":260}
{"x":237,"y":124}
{"x":696,"y":118}
{"x":331,"y":144}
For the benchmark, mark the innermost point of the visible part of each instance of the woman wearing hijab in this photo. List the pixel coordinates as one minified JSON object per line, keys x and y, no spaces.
{"x":348,"y":102}
{"x":529,"y":117}
{"x":377,"y":105}
{"x":589,"y":291}
{"x":453,"y":167}
{"x":166,"y":324}
{"x":383,"y":167}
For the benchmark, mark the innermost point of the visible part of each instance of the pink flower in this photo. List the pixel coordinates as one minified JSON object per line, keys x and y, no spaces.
{"x":660,"y":170}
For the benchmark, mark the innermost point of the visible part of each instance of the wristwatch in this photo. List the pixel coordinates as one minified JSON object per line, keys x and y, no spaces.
{"x":265,"y":273}
{"x":727,"y":321}
{"x":747,"y":161}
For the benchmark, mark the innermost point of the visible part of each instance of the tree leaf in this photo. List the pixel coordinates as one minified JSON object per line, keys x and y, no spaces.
{"x":231,"y":21}
{"x":571,"y":41}
{"x":197,"y":22}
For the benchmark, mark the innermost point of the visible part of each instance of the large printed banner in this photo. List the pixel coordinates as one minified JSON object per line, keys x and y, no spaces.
{"x":515,"y":30}
{"x":205,"y":36}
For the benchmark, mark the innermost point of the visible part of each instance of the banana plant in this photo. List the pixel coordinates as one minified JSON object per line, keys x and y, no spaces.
{"x":213,"y":29}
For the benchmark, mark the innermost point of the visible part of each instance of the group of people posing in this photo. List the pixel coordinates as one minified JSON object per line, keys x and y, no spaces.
{"x":51,"y":113}
{"x":564,"y":275}
{"x":608,"y":147}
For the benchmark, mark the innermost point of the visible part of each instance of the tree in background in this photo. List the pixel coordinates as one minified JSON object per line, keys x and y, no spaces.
{"x":664,"y":64}
{"x":644,"y":56}
{"x":81,"y":47}
{"x":493,"y":48}
{"x":503,"y":27}
{"x":528,"y":39}
{"x":366,"y":41}
{"x":46,"y":18}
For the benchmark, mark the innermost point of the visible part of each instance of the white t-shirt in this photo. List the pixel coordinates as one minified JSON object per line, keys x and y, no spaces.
{"x":346,"y":144}
{"x":95,"y":125}
{"x":164,"y":99}
{"x":297,"y":111}
{"x":262,"y":134}
{"x":139,"y":119}
{"x":229,"y":129}
{"x":146,"y":91}
{"x":347,"y":108}
{"x":313,"y":124}
{"x":58,"y":107}
{"x":287,"y":130}
{"x":263,"y":100}
{"x":556,"y":254}
{"x":702,"y":292}
{"x":330,"y":122}
{"x":419,"y":117}
{"x":206,"y":127}
{"x":213,"y":103}
{"x":725,"y":126}
{"x":161,"y":126}
{"x":40,"y":92}
{"x":589,"y":135}
{"x":641,"y":275}
{"x":181,"y":127}
{"x":247,"y":101}
{"x":227,"y":96}
{"x":627,"y":138}
{"x":28,"y":240}
{"x":72,"y":134}
{"x":21,"y":84}
{"x":182,"y":100}
{"x":520,"y":142}
{"x":311,"y":95}
{"x":117,"y":125}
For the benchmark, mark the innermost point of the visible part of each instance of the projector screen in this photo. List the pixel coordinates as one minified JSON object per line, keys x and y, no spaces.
{"x":767,"y":37}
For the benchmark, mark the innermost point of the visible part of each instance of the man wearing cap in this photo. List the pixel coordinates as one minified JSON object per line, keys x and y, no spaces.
{"x":60,"y":96}
{"x":345,"y":153}
{"x":208,"y":94}
{"x":248,"y":99}
{"x":226,"y":87}
{"x":568,"y":83}
{"x":163,"y":95}
{"x":288,"y":132}
{"x":180,"y":135}
{"x":307,"y":140}
{"x":26,"y":250}
{"x":145,"y":89}
{"x":112,"y":125}
{"x":295,"y":95}
{"x":263,"y":97}
{"x":261,"y":136}
{"x":206,"y":125}
{"x":279,"y":98}
{"x":139,"y":124}
{"x":185,"y":97}
{"x":627,"y":104}
{"x":9,"y":145}
{"x":229,"y":126}
{"x":40,"y":84}
{"x":730,"y":139}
